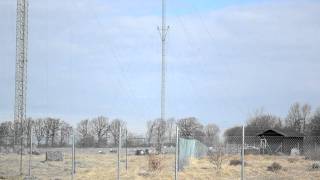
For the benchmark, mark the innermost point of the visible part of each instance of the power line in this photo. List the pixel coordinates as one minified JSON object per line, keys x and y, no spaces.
{"x":116,"y":57}
{"x":191,"y":43}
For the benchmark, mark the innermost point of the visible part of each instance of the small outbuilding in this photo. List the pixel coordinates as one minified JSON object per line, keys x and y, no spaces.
{"x":276,"y":141}
{"x":267,"y":141}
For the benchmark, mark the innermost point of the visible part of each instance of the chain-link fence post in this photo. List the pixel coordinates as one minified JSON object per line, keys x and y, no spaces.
{"x":177,"y":154}
{"x":126,"y":150}
{"x":21,"y":147}
{"x":242,"y":155}
{"x":30,"y":153}
{"x":119,"y":147}
{"x":73,"y":170}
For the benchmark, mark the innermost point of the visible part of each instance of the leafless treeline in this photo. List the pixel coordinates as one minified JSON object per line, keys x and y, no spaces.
{"x":99,"y":131}
{"x":102,"y":132}
{"x":53,"y":132}
{"x":161,"y":132}
{"x":300,"y":118}
{"x":46,"y":131}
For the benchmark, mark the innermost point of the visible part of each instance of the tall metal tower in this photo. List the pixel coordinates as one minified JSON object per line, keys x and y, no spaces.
{"x":21,"y":68}
{"x":163,"y":33}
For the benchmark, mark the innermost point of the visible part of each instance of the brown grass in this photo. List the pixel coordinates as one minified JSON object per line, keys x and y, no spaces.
{"x":292,"y":159}
{"x":103,"y":166}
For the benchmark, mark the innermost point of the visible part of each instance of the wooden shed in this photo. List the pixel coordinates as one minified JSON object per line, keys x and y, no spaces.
{"x":267,"y":140}
{"x":281,"y":140}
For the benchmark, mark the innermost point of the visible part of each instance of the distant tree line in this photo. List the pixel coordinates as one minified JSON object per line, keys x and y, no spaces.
{"x":102,"y":132}
{"x":48,"y":132}
{"x":299,"y":118}
{"x":54,"y":132}
{"x":98,"y":131}
{"x":162,"y":132}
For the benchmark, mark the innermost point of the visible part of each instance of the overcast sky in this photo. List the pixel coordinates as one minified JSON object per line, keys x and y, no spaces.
{"x":225,"y":59}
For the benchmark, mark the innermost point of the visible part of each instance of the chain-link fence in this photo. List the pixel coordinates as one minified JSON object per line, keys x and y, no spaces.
{"x":138,"y":157}
{"x":9,"y":156}
{"x":19,"y":160}
{"x":277,"y":157}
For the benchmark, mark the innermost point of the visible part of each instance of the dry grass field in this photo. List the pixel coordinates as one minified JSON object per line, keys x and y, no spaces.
{"x":95,"y":166}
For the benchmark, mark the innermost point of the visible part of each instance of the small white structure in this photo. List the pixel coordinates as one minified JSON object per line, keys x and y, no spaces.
{"x":294,"y":152}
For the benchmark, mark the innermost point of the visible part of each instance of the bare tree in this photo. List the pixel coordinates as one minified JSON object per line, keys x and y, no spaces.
{"x":212,"y":134}
{"x":51,"y":128}
{"x":217,"y":158}
{"x":4,"y":128}
{"x":100,"y":128}
{"x":160,"y":131}
{"x":190,"y":127}
{"x":171,"y":124}
{"x":17,"y":132}
{"x":157,"y":131}
{"x":306,"y":111}
{"x":114,"y":129}
{"x":28,"y":124}
{"x":39,"y":130}
{"x":47,"y":128}
{"x":55,"y":126}
{"x":262,"y":120}
{"x":297,"y":116}
{"x":150,"y":134}
{"x":65,"y":132}
{"x":234,"y":131}
{"x":6,"y":133}
{"x":294,"y":117}
{"x":314,"y":125}
{"x":83,"y":128}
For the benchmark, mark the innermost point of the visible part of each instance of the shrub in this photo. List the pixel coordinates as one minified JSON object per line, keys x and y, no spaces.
{"x":216,"y":158}
{"x":154,"y":162}
{"x":274,"y":167}
{"x":292,"y":160}
{"x":236,"y":162}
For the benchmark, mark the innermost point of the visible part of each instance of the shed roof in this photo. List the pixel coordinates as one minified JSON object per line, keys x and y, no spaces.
{"x":251,"y":131}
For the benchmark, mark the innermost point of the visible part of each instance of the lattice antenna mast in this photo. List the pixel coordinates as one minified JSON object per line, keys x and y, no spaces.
{"x":163,"y":33}
{"x":21,"y":67}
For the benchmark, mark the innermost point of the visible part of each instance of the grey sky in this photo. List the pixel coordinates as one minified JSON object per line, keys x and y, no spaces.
{"x":94,"y":57}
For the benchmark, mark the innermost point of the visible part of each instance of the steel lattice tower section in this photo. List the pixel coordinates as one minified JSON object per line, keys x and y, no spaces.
{"x":21,"y":68}
{"x":163,"y":32}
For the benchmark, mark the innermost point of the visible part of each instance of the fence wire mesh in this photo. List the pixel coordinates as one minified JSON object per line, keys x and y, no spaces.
{"x":276,"y":157}
{"x":9,"y":157}
{"x":142,"y":158}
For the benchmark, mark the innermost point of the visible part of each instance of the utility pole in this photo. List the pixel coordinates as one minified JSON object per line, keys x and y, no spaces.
{"x":21,"y":68}
{"x":163,"y":33}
